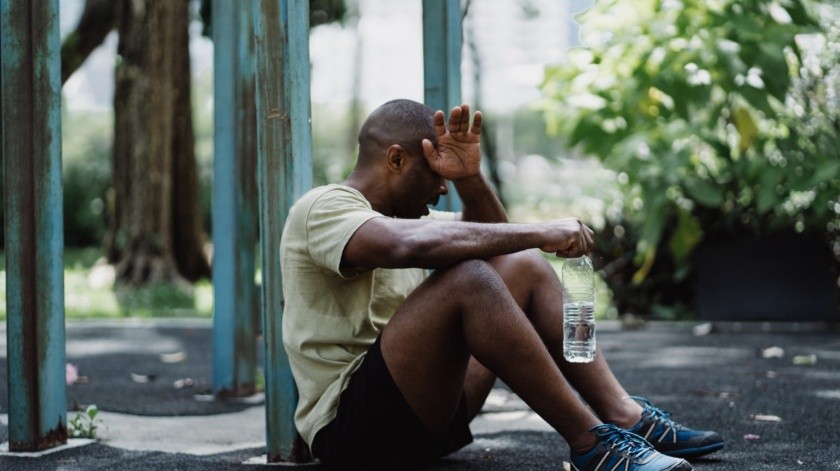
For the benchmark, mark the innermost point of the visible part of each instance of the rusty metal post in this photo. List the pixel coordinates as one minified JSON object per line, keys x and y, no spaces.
{"x":31,"y":142}
{"x":234,"y":201}
{"x":442,"y":66}
{"x":285,"y":171}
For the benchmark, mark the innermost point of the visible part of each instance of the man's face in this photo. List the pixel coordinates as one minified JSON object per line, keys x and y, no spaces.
{"x":419,"y":188}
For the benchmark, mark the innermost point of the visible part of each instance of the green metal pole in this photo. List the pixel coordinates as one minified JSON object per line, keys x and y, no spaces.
{"x":234,"y":201}
{"x":31,"y":142}
{"x":285,"y":172}
{"x":442,"y":66}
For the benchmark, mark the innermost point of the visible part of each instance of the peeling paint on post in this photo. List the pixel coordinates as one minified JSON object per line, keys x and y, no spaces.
{"x":234,"y":201}
{"x":442,"y":67}
{"x":30,"y":67}
{"x":285,"y":172}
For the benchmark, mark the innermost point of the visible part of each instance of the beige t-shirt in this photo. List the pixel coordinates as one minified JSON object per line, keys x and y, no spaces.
{"x":331,"y":320}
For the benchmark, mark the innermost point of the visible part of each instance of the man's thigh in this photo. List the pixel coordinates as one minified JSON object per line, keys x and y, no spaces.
{"x":424,"y":343}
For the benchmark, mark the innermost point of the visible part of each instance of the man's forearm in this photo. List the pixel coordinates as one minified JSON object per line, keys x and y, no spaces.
{"x":442,"y":243}
{"x":480,"y":203}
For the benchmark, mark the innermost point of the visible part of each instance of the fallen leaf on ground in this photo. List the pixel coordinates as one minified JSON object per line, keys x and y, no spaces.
{"x":773,"y":352}
{"x":702,"y":329}
{"x":718,"y":394}
{"x":805,"y":359}
{"x":71,"y":374}
{"x":175,"y":357}
{"x":138,"y":378}
{"x":183,"y":383}
{"x":765,"y":418}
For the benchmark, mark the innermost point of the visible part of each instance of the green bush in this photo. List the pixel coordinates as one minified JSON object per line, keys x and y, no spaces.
{"x":720,"y":118}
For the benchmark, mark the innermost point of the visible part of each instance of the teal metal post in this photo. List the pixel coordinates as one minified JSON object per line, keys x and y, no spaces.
{"x":31,"y":142}
{"x":235,"y":312}
{"x":285,"y":172}
{"x":442,"y":66}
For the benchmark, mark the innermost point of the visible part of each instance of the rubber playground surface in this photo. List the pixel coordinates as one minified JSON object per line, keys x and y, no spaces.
{"x":771,"y":390}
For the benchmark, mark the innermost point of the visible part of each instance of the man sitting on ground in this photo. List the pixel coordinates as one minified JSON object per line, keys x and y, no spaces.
{"x":397,"y":321}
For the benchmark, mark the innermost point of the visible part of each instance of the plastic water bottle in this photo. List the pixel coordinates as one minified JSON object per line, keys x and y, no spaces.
{"x":578,"y":310}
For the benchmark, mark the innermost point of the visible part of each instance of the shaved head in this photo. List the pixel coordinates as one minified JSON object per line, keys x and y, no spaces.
{"x":402,"y":122}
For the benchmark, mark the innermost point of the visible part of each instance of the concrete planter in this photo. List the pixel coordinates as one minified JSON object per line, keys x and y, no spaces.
{"x":783,"y":277}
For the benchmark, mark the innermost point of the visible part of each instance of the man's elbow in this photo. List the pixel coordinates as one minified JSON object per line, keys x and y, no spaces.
{"x":411,"y":252}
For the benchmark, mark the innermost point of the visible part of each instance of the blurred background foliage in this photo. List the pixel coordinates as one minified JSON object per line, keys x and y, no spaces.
{"x":720,"y":119}
{"x":677,"y":124}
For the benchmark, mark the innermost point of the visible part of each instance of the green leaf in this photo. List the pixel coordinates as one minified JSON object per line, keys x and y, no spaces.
{"x":826,"y":172}
{"x":686,"y":236}
{"x":703,"y":192}
{"x":767,"y":196}
{"x":756,"y":98}
{"x":652,"y":229}
{"x":746,"y":127}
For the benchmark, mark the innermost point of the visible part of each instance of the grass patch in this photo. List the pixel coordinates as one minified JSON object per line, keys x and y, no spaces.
{"x":89,"y":292}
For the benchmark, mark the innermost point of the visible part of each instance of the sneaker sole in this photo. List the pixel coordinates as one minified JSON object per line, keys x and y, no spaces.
{"x":684,"y":466}
{"x":694,"y":452}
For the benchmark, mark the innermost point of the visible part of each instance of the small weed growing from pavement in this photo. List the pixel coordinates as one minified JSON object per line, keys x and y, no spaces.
{"x":84,"y":424}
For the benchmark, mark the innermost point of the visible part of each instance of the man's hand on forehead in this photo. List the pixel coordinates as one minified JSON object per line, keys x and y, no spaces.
{"x":459,"y":123}
{"x":457,"y":153}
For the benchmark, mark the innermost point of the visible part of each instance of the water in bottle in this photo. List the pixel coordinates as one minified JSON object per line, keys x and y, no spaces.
{"x":578,"y":310}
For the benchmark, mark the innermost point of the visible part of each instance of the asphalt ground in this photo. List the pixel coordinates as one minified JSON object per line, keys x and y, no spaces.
{"x":771,"y":390}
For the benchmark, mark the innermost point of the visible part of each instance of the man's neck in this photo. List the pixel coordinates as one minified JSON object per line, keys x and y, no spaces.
{"x":375,"y":194}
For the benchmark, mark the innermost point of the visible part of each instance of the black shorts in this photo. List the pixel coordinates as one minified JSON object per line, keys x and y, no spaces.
{"x":375,"y":427}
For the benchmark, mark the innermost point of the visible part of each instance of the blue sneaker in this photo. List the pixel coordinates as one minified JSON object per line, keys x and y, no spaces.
{"x":620,"y":450}
{"x":670,"y":437}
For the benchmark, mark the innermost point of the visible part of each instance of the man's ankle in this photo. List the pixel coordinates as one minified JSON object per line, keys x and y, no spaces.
{"x":583,"y":443}
{"x":625,"y":414}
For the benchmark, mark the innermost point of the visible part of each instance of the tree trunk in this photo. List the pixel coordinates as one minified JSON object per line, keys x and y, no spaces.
{"x":188,"y":238}
{"x":98,"y":19}
{"x":142,"y":241}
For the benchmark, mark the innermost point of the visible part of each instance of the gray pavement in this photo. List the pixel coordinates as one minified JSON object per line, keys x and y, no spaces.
{"x":772,"y":391}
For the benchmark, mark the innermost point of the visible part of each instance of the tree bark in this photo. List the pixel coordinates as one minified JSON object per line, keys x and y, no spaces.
{"x":188,"y":238}
{"x":98,"y":19}
{"x":142,"y":241}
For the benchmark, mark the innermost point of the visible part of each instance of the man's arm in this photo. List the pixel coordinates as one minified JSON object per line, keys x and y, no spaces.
{"x":479,"y":201}
{"x":457,"y":158}
{"x":429,"y":243}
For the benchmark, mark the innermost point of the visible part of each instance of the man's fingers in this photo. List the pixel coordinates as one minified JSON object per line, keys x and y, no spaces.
{"x":476,"y":126}
{"x":455,"y":119}
{"x":459,"y":119}
{"x":430,"y":153}
{"x":587,"y":238}
{"x":589,"y":234}
{"x":439,"y":123}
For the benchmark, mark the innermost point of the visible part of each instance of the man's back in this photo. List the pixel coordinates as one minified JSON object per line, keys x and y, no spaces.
{"x":331,"y":319}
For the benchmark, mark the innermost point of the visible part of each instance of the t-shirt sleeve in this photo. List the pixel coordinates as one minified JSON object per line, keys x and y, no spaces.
{"x":333,"y":218}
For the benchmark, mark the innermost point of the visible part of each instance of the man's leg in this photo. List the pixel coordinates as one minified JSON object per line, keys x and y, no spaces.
{"x":467,"y":310}
{"x":537,"y":290}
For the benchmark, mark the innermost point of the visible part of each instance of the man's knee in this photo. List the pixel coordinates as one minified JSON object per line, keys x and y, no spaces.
{"x":527,"y":265}
{"x":524,"y":273}
{"x":471,"y":277}
{"x":468,"y":271}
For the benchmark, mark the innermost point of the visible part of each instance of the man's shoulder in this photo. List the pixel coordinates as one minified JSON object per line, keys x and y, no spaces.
{"x":330,"y":193}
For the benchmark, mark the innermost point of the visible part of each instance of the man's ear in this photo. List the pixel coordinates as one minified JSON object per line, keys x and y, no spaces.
{"x":395,"y":158}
